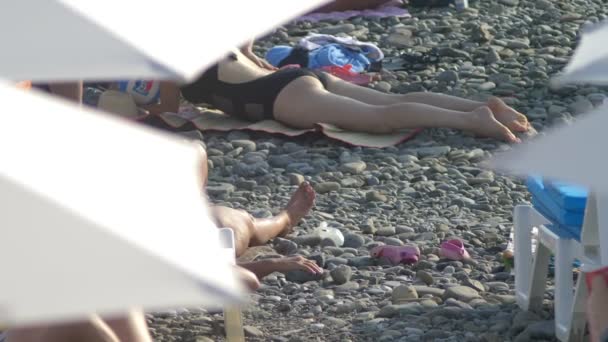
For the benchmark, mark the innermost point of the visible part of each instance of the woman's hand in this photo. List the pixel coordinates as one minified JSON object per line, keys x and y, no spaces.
{"x":298,"y":263}
{"x":247,"y":50}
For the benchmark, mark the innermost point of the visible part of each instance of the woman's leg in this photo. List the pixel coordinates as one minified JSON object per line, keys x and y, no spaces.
{"x":304,"y":102}
{"x":249,"y":231}
{"x":204,"y":165}
{"x":133,"y":327}
{"x":503,"y":113}
{"x":93,"y":329}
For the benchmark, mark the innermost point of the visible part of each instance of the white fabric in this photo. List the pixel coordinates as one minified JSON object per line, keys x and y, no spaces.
{"x":589,"y":64}
{"x":56,"y":40}
{"x":314,"y":41}
{"x":99,"y":215}
{"x":574,"y":153}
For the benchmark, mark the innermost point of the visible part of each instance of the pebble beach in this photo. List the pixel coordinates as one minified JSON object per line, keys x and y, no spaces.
{"x":424,"y":191}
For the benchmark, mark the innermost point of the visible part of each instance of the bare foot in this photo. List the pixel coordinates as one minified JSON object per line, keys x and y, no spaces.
{"x":299,"y":205}
{"x":508,"y":116}
{"x":485,"y":124}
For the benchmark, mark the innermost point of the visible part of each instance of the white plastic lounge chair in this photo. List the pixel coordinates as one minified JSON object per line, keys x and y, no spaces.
{"x":548,"y":214}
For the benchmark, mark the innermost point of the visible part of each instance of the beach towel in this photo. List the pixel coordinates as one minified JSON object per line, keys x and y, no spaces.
{"x":390,"y":9}
{"x":207,"y":120}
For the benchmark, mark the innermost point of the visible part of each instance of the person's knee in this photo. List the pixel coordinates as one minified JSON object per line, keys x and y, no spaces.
{"x":204,"y":168}
{"x":249,"y":278}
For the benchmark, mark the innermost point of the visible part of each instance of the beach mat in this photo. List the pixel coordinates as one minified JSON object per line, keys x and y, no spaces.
{"x":216,"y":121}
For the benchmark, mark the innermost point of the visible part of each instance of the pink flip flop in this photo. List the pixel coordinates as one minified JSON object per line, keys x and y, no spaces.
{"x":454,"y":250}
{"x":407,"y":254}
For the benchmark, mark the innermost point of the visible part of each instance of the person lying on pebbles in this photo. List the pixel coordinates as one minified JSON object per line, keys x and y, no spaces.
{"x":242,"y":85}
{"x":250,"y":231}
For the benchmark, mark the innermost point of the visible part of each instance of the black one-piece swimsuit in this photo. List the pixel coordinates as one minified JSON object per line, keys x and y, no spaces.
{"x":253,"y":100}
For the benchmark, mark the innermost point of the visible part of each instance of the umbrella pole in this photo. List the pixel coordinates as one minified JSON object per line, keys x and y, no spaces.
{"x":233,"y":324}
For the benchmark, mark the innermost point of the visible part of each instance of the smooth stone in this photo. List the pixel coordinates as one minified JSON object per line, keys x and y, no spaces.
{"x":449,"y":270}
{"x":246,"y":145}
{"x":383,"y":86}
{"x":426,"y":290}
{"x":341,"y":274}
{"x":481,"y":33}
{"x":284,"y":246}
{"x":463,"y":293}
{"x":336,"y":261}
{"x":492,"y":57}
{"x":509,"y":2}
{"x":425,"y":276}
{"x":401,"y":39}
{"x":326,"y":187}
{"x":393,"y":310}
{"x":403,"y":293}
{"x":351,"y":182}
{"x":332,"y":30}
{"x":335,"y":322}
{"x":504,"y":299}
{"x":252,"y":331}
{"x":308,"y":240}
{"x":362,"y":261}
{"x":391,"y":241}
{"x":295,"y":178}
{"x":434,"y":151}
{"x":457,"y":303}
{"x":348,"y":286}
{"x":220,"y":189}
{"x":375,"y":196}
{"x":538,"y":330}
{"x":354,"y":167}
{"x":474,"y":284}
{"x":298,"y":276}
{"x":522,"y":319}
{"x":353,"y":240}
{"x":369,"y":227}
{"x":386,"y":231}
{"x":448,"y":76}
{"x":487,"y":86}
{"x":452,"y":52}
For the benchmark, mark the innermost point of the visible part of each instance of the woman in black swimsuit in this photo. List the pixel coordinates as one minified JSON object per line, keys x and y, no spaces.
{"x":300,"y":98}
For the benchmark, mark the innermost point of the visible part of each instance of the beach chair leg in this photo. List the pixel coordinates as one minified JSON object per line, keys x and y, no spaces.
{"x":538,"y":283}
{"x":564,"y":299}
{"x":523,"y":222}
{"x":233,"y":316}
{"x":579,"y":318}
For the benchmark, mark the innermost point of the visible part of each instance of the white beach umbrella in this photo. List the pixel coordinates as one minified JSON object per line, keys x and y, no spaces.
{"x":589,"y":64}
{"x":55,"y":40}
{"x":573,"y":153}
{"x":99,"y":215}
